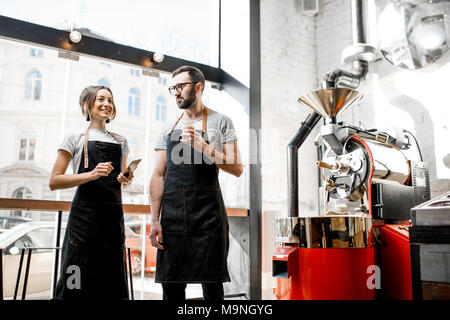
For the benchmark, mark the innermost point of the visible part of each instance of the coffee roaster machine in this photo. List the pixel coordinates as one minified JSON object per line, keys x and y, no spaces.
{"x":357,"y":245}
{"x":358,"y":242}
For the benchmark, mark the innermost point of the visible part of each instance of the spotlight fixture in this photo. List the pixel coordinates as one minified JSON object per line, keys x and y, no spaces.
{"x":75,"y":36}
{"x":414,"y":33}
{"x":158,"y":57}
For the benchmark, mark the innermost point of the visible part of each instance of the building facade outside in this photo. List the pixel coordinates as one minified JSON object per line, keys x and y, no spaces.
{"x":39,"y":107}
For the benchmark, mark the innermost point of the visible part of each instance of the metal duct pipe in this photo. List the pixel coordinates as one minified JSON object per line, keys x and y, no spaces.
{"x":292,"y":160}
{"x":338,"y":77}
{"x":342,"y":78}
{"x":359,"y":30}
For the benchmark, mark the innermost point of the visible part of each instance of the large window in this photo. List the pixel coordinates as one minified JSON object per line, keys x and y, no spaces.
{"x":143,"y":102}
{"x":30,"y":140}
{"x":235,"y":50}
{"x":183,"y":29}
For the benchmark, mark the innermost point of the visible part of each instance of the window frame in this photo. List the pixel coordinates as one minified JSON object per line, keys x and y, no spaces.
{"x":134,"y":102}
{"x":28,"y":149}
{"x":249,"y":97}
{"x":33,"y":85}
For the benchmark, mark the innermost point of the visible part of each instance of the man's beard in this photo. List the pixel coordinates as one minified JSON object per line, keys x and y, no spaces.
{"x":189,"y":101}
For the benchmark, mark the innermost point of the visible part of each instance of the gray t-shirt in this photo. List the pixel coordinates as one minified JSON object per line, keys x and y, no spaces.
{"x":73,"y":144}
{"x":219,"y":129}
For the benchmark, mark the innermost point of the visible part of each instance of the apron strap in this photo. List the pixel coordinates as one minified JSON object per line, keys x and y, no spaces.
{"x":114,"y":137}
{"x":85,"y":146}
{"x":205,"y":115}
{"x":175,"y":124}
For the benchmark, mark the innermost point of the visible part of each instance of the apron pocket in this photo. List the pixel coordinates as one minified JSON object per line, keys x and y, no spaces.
{"x":113,"y":223}
{"x":173,"y":213}
{"x":82,"y":229}
{"x":203,"y":209}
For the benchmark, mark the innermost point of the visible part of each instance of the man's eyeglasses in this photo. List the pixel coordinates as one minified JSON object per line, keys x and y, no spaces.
{"x":178,"y":87}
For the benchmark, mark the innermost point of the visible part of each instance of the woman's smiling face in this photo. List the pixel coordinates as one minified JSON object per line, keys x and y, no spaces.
{"x":103,"y":105}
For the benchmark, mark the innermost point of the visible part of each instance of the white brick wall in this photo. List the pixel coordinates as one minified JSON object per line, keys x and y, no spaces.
{"x":413,"y":100}
{"x":296,"y":53}
{"x":288,"y":68}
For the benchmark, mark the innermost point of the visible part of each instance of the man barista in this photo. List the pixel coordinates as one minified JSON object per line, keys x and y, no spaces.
{"x":189,"y":219}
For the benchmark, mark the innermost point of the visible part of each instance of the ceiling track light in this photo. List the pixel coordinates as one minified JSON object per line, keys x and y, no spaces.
{"x":414,"y":34}
{"x":158,"y":57}
{"x":75,"y":36}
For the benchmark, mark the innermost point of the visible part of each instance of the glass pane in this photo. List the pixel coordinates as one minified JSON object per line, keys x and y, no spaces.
{"x":37,"y":89}
{"x":235,"y":51}
{"x":28,"y":89}
{"x":62,"y":82}
{"x":183,"y":29}
{"x":26,"y":135}
{"x":31,"y":150}
{"x":136,"y":106}
{"x":23,"y":149}
{"x":42,"y":238}
{"x":130,"y":105}
{"x":235,"y":191}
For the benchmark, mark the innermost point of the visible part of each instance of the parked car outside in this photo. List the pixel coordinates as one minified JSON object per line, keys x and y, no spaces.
{"x":38,"y":234}
{"x":9,"y":222}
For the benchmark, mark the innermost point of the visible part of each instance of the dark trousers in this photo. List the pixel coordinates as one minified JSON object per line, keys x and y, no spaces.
{"x":177,"y":291}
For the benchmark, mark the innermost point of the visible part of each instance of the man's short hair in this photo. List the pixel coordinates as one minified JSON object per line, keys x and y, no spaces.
{"x":194,"y":73}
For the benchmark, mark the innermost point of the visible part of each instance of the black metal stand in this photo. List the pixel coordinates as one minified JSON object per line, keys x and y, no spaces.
{"x":57,"y":245}
{"x":130,"y":272}
{"x":1,"y":274}
{"x":27,"y":271}
{"x":19,"y":272}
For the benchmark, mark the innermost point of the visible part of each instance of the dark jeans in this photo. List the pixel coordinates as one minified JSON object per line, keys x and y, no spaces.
{"x":177,"y":291}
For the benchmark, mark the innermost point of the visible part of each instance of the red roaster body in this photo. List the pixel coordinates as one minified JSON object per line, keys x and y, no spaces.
{"x":381,"y":269}
{"x":328,"y":274}
{"x":396,"y":281}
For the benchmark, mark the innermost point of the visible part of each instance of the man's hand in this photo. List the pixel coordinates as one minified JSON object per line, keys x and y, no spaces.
{"x":193,"y":139}
{"x":156,"y":236}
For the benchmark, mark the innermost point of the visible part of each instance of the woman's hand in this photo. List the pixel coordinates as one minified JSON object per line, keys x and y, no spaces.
{"x":102,"y":169}
{"x":125,"y":179}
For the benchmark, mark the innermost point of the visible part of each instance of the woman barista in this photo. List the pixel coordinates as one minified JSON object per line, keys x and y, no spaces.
{"x":93,"y":253}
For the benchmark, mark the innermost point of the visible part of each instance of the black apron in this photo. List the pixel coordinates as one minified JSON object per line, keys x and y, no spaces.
{"x":193,"y":218}
{"x":95,"y":234}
